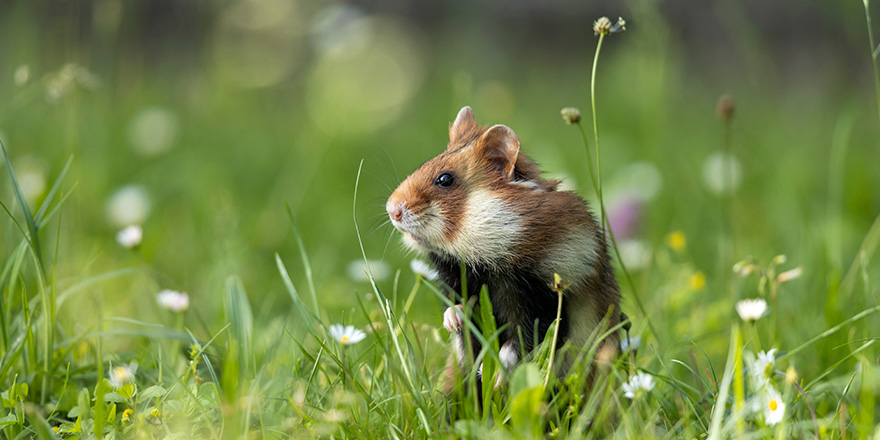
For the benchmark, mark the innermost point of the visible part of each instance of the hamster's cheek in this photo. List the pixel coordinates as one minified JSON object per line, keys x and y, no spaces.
{"x":411,"y":242}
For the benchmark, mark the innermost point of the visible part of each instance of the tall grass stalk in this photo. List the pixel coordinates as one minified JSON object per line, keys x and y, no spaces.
{"x":597,"y":186}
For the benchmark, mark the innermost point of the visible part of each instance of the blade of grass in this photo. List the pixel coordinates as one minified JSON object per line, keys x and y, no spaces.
{"x":828,"y":370}
{"x":305,"y":257}
{"x":51,"y":195}
{"x":238,"y":313}
{"x":305,"y":313}
{"x":33,"y":229}
{"x":720,"y":406}
{"x":829,"y":332}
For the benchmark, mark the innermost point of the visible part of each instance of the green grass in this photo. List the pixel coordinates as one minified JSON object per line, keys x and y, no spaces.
{"x":266,"y":195}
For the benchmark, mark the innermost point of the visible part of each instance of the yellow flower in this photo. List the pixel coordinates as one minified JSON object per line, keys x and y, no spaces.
{"x":698,"y":281}
{"x":126,"y":416}
{"x":155,"y":413}
{"x":791,"y":375}
{"x":676,"y":240}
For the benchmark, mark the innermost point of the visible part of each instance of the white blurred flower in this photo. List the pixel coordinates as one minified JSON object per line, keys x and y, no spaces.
{"x":762,"y":369}
{"x":130,"y":205}
{"x":422,"y":269}
{"x":31,"y":175}
{"x":22,"y":74}
{"x":638,"y":385}
{"x":173,"y":300}
{"x":789,"y":275}
{"x":337,"y":28}
{"x":774,"y":407}
{"x":635,"y":254}
{"x":744,"y":269}
{"x":130,"y":236}
{"x":722,"y":173}
{"x":62,"y":82}
{"x":751,"y":310}
{"x":122,"y":374}
{"x":152,"y":131}
{"x":357,"y":270}
{"x":632,"y":343}
{"x":641,"y":180}
{"x":347,"y":335}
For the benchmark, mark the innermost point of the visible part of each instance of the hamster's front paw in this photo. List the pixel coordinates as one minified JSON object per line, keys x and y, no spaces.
{"x":452,"y":321}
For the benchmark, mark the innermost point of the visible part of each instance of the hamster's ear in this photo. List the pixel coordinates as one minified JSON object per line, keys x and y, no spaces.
{"x":463,"y":124}
{"x":500,"y":146}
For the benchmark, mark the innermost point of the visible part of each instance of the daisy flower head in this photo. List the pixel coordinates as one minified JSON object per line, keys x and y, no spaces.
{"x":638,"y":385}
{"x":122,"y":374}
{"x":762,"y":368}
{"x":774,"y":407}
{"x":130,"y":237}
{"x":630,"y":343}
{"x":173,"y":300}
{"x":347,"y":335}
{"x":750,"y":310}
{"x":422,"y":269}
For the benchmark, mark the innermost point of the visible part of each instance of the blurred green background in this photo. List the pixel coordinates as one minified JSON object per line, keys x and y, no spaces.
{"x":200,"y":120}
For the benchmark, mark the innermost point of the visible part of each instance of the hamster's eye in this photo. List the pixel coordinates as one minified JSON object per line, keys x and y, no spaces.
{"x":444,"y":180}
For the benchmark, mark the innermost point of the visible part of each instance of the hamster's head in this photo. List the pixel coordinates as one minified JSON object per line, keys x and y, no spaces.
{"x":455,"y":204}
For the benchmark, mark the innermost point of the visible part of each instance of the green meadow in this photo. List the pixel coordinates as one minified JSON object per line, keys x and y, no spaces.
{"x":194,"y":197}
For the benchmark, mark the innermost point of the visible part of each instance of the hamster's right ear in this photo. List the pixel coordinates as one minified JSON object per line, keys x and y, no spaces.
{"x":500,"y":147}
{"x":463,"y":124}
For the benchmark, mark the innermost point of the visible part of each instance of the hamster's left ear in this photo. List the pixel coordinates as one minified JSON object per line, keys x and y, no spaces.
{"x":500,"y":146}
{"x":464,"y":125}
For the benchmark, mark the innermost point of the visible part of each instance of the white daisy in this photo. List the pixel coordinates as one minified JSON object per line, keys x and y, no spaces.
{"x":631,"y":343}
{"x":722,"y":173}
{"x":421,"y":268}
{"x":347,"y":335}
{"x":153,"y":131}
{"x":130,"y":205}
{"x":635,"y":254}
{"x":357,"y":270}
{"x":762,"y":369}
{"x":751,"y":310}
{"x":122,"y":374}
{"x":638,"y":385}
{"x":774,"y":407}
{"x":130,"y":237}
{"x":173,"y":300}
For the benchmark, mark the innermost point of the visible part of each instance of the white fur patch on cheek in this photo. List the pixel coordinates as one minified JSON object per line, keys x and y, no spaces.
{"x":422,"y":231}
{"x":489,"y":230}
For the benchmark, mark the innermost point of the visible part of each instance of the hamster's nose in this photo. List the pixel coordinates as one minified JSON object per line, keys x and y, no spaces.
{"x":395,"y":210}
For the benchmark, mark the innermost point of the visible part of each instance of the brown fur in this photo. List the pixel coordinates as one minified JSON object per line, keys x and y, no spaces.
{"x":537,"y":229}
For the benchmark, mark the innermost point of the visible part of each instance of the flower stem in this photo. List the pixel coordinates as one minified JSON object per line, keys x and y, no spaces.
{"x":596,"y":131}
{"x":597,"y":186}
{"x":344,"y":369}
{"x":555,"y":338}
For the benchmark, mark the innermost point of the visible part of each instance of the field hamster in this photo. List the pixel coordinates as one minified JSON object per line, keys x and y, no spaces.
{"x":483,"y":203}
